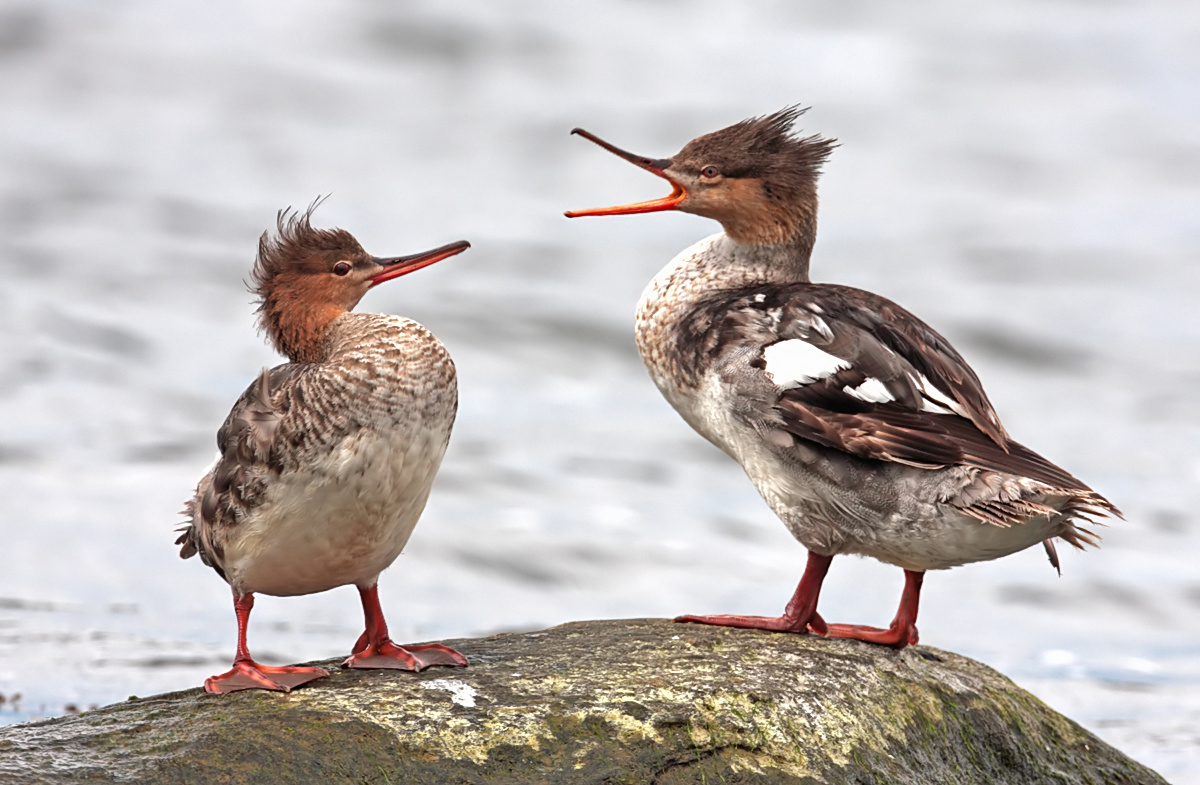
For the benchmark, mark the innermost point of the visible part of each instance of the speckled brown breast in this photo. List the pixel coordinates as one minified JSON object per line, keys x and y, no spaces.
{"x":343,"y":446}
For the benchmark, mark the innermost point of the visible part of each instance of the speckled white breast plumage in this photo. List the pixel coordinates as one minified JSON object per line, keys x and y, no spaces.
{"x":357,"y":444}
{"x":342,"y":520}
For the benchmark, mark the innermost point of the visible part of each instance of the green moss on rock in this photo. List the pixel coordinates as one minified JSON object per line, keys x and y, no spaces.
{"x":606,"y":702}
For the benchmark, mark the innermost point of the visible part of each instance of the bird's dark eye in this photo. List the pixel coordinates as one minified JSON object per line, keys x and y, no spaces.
{"x":341,"y":268}
{"x":709,"y":172}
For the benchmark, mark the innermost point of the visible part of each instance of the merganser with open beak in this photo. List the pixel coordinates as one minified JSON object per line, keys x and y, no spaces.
{"x":327,"y":460}
{"x":862,"y":428}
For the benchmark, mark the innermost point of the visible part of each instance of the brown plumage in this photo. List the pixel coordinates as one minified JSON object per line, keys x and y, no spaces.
{"x":765,"y":149}
{"x":862,"y":427}
{"x":325,"y":461}
{"x":296,"y":298}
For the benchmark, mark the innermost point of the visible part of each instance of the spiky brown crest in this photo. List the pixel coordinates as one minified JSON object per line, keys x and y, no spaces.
{"x":298,"y":248}
{"x":765,"y":148}
{"x":295,"y":303}
{"x":765,"y":189}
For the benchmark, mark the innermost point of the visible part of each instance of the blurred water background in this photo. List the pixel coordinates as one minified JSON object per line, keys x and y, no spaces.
{"x":1025,"y":176}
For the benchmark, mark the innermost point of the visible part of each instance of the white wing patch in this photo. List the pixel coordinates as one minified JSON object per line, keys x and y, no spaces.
{"x":794,"y":363}
{"x":871,"y":391}
{"x":938,"y":402}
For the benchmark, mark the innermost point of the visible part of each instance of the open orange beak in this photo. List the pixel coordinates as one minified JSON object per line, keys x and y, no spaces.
{"x":396,"y":266}
{"x":656,"y":166}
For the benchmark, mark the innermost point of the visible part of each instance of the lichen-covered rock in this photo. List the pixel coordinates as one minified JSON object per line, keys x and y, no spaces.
{"x":642,"y":701}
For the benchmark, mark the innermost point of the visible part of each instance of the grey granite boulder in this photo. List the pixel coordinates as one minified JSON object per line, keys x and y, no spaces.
{"x":642,"y":701}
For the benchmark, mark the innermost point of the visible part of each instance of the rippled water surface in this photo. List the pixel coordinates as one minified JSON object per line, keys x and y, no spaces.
{"x":1025,"y":176}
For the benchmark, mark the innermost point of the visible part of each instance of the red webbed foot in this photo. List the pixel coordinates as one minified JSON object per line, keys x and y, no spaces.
{"x":903,"y":629}
{"x":386,"y":654}
{"x":896,"y":636}
{"x":246,"y":674}
{"x":813,"y":623}
{"x":249,"y":675}
{"x":374,"y":649}
{"x":799,"y":617}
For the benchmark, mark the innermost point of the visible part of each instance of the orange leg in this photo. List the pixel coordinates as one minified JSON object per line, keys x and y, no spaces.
{"x":801,"y":612}
{"x":375,"y":649}
{"x":903,"y":629}
{"x":247,"y":674}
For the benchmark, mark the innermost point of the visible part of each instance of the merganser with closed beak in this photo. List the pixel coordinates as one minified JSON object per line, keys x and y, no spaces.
{"x":862,"y":427}
{"x":326,"y":461}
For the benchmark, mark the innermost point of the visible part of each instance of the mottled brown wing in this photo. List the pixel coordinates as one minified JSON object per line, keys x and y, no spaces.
{"x":237,"y":483}
{"x":900,"y":437}
{"x":853,"y":372}
{"x":870,"y":379}
{"x":886,"y":324}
